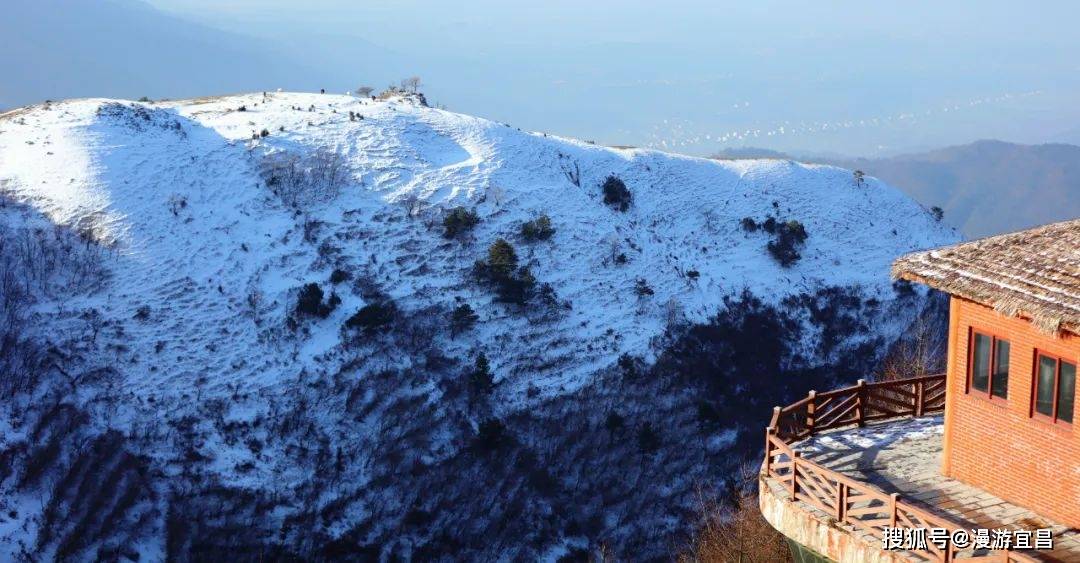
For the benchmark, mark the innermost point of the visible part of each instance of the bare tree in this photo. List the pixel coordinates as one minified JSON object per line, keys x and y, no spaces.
{"x":365,"y":91}
{"x":614,"y":245}
{"x":674,"y":313}
{"x":711,"y":219}
{"x":413,"y":204}
{"x":736,"y":531}
{"x":300,"y":180}
{"x":921,"y":350}
{"x":411,"y":84}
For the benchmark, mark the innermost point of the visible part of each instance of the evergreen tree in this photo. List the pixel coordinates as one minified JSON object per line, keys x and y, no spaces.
{"x":481,"y":377}
{"x":459,"y":221}
{"x":462,"y":318}
{"x":502,"y":260}
{"x":537,"y":229}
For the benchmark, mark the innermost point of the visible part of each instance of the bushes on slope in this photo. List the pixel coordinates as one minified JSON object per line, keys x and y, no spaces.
{"x":512,"y":284}
{"x":373,"y":317}
{"x":616,"y":194}
{"x":790,"y":237}
{"x":459,"y":221}
{"x":538,"y":229}
{"x":310,"y":302}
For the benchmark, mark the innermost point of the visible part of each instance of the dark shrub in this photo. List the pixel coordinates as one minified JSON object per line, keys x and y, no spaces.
{"x":790,"y":237}
{"x":459,"y":221}
{"x":511,"y":284}
{"x":516,"y":289}
{"x":785,"y":254}
{"x":647,"y":438}
{"x":339,"y":275}
{"x":462,"y":318}
{"x":937,"y":213}
{"x":416,"y":518}
{"x":641,"y":288}
{"x":548,"y":299}
{"x":372,"y":318}
{"x":748,"y":224}
{"x":491,"y":435}
{"x":795,"y":230}
{"x":903,"y":288}
{"x":480,"y":377}
{"x":310,"y":302}
{"x":769,"y":225}
{"x":537,"y":229}
{"x":614,"y":422}
{"x":575,"y":555}
{"x":630,"y":366}
{"x":707,"y":413}
{"x":616,"y":195}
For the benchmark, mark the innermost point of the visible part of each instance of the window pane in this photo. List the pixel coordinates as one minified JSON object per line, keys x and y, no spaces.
{"x":1000,"y":384}
{"x":980,"y":362}
{"x":1066,"y":391}
{"x":1044,"y":386}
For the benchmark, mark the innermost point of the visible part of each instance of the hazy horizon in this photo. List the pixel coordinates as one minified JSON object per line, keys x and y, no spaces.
{"x":695,"y":77}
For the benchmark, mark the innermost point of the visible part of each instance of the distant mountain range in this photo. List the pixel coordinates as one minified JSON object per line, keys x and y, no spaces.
{"x":988,"y":187}
{"x":70,"y":48}
{"x":985,"y":187}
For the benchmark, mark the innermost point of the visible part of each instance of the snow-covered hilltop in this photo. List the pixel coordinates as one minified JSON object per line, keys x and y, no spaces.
{"x":219,"y":367}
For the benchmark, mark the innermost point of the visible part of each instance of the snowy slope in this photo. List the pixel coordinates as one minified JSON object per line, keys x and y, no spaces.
{"x":69,"y":163}
{"x":206,"y":260}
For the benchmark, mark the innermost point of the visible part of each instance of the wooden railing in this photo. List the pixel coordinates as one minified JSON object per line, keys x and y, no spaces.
{"x":859,"y":505}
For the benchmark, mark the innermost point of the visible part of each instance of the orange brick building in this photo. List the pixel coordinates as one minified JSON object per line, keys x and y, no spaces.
{"x":1014,"y":346}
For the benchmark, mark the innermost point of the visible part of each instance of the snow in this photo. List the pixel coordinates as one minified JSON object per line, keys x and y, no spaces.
{"x":873,"y":437}
{"x":400,"y":149}
{"x":232,"y":238}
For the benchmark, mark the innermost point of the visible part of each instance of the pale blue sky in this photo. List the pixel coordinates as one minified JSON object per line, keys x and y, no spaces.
{"x":691,"y":75}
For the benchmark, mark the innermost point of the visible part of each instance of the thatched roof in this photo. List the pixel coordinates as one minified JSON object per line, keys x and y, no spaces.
{"x":1033,"y":274}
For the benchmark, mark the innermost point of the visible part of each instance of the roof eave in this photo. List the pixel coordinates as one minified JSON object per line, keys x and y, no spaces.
{"x":1046,"y":324}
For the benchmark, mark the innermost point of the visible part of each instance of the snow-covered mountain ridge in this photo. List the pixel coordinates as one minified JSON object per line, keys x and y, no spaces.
{"x":216,"y":212}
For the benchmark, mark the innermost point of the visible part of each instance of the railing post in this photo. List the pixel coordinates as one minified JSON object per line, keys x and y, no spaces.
{"x":841,"y":501}
{"x":860,"y":389}
{"x":892,"y":512}
{"x":794,"y":476}
{"x":810,"y":410}
{"x":920,"y":390}
{"x":769,"y":431}
{"x":775,"y":423}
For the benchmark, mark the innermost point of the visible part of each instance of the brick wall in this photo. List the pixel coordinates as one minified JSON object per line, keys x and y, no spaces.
{"x":997,"y":445}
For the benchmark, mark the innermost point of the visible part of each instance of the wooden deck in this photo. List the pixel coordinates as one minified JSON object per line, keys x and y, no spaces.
{"x":863,"y":460}
{"x":904,"y":456}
